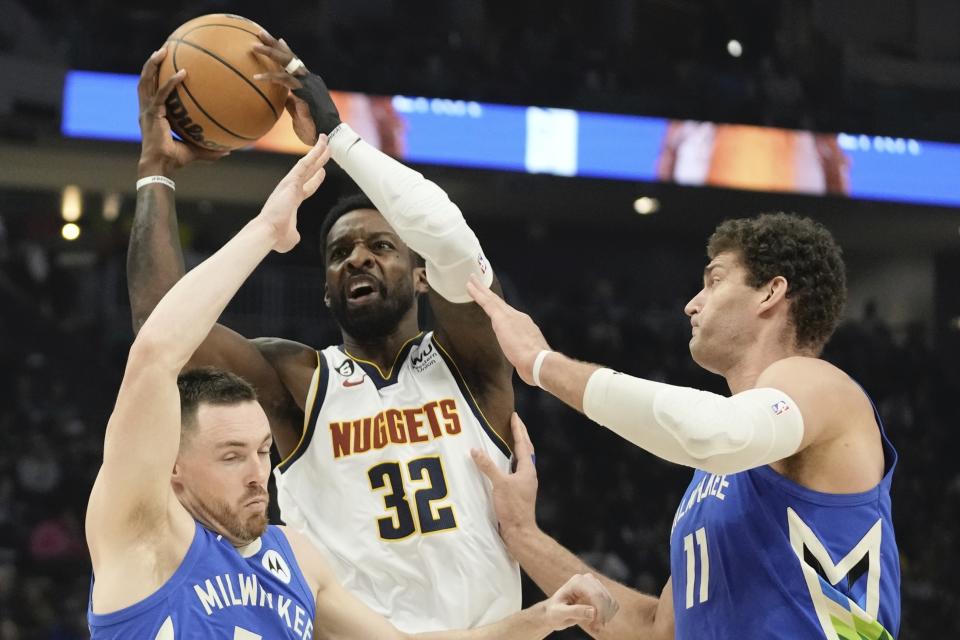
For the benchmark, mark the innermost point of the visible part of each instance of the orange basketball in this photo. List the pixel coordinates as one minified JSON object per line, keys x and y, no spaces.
{"x":219,"y":105}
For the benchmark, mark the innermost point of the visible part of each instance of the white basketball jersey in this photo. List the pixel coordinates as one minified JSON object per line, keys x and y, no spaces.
{"x":382,"y":480}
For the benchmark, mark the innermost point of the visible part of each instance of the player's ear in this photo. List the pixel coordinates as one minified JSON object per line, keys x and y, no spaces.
{"x":420,"y":284}
{"x":774,"y":292}
{"x":326,"y":295}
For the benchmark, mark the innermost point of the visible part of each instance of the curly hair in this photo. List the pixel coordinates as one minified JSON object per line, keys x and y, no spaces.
{"x":805,"y":254}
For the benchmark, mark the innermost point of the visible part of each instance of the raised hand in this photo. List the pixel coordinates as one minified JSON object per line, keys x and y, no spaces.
{"x":583,"y":600}
{"x":280,"y":209}
{"x":161,"y":153}
{"x":514,"y":494}
{"x":519,"y":337}
{"x":310,"y":104}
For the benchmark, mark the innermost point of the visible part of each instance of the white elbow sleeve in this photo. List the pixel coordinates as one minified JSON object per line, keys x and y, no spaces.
{"x":419,"y":211}
{"x":696,"y":428}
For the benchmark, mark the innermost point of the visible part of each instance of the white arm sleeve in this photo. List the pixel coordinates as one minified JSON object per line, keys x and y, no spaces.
{"x":419,"y":211}
{"x":696,"y":428}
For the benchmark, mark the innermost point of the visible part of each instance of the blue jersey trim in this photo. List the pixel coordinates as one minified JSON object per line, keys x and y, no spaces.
{"x":194,"y":553}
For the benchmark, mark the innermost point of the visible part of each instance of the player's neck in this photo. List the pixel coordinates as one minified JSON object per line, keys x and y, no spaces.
{"x":744,"y":372}
{"x":382,"y":350}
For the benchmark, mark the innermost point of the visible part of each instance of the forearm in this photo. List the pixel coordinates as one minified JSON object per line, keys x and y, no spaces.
{"x":696,"y":428}
{"x":529,"y":624}
{"x":419,"y":211}
{"x":566,"y":378}
{"x":183,"y":318}
{"x":549,"y":564}
{"x":154,"y":258}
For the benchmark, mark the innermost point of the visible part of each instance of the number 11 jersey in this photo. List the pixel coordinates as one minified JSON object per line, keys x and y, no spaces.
{"x":382,"y":480}
{"x":754,"y":555}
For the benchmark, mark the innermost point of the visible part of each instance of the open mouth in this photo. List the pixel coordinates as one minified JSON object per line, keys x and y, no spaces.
{"x":362,"y":288}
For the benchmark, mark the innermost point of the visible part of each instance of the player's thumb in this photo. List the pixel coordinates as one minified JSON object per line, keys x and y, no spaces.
{"x":485,"y":464}
{"x":579,"y":614}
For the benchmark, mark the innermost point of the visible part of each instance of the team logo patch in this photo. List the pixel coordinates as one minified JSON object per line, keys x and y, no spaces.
{"x":354,"y":375}
{"x":276,"y":565}
{"x":780,"y":407}
{"x":422,"y":357}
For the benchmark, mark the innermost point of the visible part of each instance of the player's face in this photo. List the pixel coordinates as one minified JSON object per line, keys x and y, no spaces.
{"x":722,"y":315}
{"x":223,"y":469}
{"x":371,"y":275}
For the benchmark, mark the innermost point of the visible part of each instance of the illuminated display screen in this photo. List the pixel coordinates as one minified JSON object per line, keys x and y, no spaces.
{"x":576,"y":143}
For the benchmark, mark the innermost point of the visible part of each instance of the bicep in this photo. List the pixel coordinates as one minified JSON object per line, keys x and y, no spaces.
{"x":226,"y":349}
{"x":464,"y":332}
{"x":465,"y":329}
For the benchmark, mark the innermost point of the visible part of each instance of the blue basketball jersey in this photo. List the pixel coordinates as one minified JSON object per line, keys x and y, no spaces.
{"x":218,"y":593}
{"x":755,"y":555}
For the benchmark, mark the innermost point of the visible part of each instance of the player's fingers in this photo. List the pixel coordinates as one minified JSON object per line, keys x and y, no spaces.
{"x":309,"y":163}
{"x":267,"y":39}
{"x":275,"y":53}
{"x":279,"y":77}
{"x":482,"y":295}
{"x":573,"y":614}
{"x":311,"y":185}
{"x":592,"y":590}
{"x":148,"y":74}
{"x":486,"y":465}
{"x":522,"y":445}
{"x":167,"y":88}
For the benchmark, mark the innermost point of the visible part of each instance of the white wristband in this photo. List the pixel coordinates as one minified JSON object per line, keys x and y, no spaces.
{"x":537,"y":364}
{"x":164,"y":180}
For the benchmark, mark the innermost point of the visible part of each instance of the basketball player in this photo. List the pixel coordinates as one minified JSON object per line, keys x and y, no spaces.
{"x":190,"y":554}
{"x":375,"y":433}
{"x":785,"y":529}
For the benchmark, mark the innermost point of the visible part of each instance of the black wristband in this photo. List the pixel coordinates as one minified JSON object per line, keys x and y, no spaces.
{"x":315,"y":93}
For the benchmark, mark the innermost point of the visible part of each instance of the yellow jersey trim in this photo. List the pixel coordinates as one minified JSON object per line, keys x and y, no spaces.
{"x":307,"y":410}
{"x":376,"y":366}
{"x":472,"y":398}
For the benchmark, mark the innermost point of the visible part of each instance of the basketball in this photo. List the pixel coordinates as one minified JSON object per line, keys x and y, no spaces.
{"x":219,"y":105}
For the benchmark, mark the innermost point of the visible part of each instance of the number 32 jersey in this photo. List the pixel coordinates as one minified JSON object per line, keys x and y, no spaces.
{"x":382,"y":480}
{"x":754,"y":555}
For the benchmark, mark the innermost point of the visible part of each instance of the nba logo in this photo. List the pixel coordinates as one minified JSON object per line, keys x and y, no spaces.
{"x":779,"y":407}
{"x":482,"y":263}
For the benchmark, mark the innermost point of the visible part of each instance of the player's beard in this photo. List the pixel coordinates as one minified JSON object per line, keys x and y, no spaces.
{"x":244,"y":529}
{"x":376,"y":320}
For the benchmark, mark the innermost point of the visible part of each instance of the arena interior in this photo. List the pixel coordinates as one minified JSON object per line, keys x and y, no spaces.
{"x":603,"y":259}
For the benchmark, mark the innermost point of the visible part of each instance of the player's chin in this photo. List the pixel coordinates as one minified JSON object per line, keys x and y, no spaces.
{"x":257,"y":524}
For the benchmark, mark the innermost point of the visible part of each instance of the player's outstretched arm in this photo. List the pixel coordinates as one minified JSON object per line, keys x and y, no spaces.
{"x":143,"y":434}
{"x":548,"y":563}
{"x":342,"y":616}
{"x":680,"y":424}
{"x":425,"y":219}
